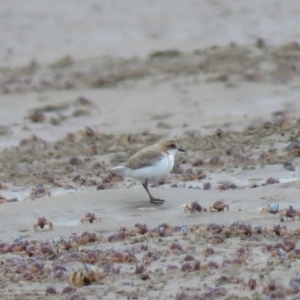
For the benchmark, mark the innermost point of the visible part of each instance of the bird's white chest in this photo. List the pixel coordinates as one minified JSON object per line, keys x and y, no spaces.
{"x":170,"y":158}
{"x":165,"y":165}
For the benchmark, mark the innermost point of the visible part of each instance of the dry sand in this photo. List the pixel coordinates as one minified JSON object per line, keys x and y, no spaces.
{"x":84,"y":86}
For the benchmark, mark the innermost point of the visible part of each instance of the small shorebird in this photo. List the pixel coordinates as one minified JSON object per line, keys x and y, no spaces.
{"x":150,"y":164}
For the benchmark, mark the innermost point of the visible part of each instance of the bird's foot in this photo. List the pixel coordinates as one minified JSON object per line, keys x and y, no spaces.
{"x":157,"y":201}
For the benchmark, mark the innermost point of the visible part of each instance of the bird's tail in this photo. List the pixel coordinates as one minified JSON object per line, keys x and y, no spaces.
{"x":118,"y":170}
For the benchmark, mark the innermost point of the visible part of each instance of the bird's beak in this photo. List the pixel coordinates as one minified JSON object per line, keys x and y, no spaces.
{"x":181,"y":150}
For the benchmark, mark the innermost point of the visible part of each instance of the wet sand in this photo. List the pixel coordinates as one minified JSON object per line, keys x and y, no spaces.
{"x":222,"y":79}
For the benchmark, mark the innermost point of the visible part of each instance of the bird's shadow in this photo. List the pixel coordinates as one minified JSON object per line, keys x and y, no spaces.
{"x":143,"y":206}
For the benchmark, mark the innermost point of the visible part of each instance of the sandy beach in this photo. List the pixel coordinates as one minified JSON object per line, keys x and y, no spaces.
{"x":85,"y":85}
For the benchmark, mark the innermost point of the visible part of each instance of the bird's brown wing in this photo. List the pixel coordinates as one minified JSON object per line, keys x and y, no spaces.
{"x":143,"y":158}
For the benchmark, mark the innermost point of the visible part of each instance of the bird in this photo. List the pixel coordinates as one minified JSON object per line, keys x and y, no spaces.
{"x":150,"y":164}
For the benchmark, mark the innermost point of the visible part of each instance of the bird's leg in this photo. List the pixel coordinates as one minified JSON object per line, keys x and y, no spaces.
{"x":152,"y":200}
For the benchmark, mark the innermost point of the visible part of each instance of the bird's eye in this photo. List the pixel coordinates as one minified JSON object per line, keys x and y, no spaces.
{"x":173,"y":146}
